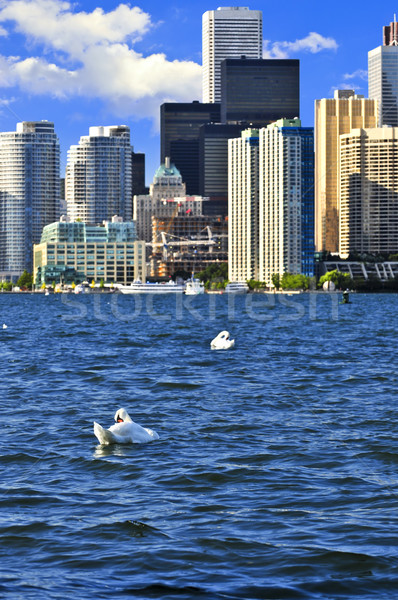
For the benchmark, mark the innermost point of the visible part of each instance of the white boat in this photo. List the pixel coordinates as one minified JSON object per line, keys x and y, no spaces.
{"x":194,"y":287}
{"x":237,"y":287}
{"x":137,"y":287}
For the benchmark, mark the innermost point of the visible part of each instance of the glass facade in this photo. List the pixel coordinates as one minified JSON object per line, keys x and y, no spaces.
{"x":383,"y":82}
{"x":259,"y":91}
{"x":179,"y":137}
{"x":305,"y":166}
{"x":228,"y":32}
{"x":76,"y":252}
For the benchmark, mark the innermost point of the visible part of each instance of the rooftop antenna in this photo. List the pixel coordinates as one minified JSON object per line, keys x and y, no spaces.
{"x":395,"y":18}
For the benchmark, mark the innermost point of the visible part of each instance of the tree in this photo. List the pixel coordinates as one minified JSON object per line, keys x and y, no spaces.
{"x":276,"y":280}
{"x":101,"y":284}
{"x":214,"y":274}
{"x":294,"y":281}
{"x":25,"y":281}
{"x":341,"y":280}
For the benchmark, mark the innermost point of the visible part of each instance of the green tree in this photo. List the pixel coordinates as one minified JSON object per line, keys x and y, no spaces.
{"x":341,"y":280}
{"x":25,"y":281}
{"x":293,"y":281}
{"x":276,"y":280}
{"x":214,"y":274}
{"x":101,"y":284}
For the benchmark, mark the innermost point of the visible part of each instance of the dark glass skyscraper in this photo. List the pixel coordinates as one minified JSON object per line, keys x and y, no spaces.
{"x":213,"y":164}
{"x":259,"y":91}
{"x":179,"y":137}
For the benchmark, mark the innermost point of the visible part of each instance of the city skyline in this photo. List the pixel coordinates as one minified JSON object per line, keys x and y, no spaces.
{"x":83,"y":65}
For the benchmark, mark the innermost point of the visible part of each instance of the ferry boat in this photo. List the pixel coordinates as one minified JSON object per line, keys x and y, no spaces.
{"x":237,"y":287}
{"x":194,"y":287}
{"x":137,"y":287}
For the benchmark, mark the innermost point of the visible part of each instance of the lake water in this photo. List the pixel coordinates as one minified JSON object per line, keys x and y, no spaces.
{"x":275,"y":475}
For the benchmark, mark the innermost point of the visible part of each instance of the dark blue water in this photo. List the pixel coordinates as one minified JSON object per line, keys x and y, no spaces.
{"x":275,"y":475}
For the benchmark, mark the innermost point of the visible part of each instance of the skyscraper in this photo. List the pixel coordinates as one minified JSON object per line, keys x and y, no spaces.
{"x":179,"y":137}
{"x":259,"y":91}
{"x":334,"y":117}
{"x":228,"y":33}
{"x":369,"y":191}
{"x":29,"y":192}
{"x":98,"y":176}
{"x":213,"y":164}
{"x":286,"y":199}
{"x":243,"y":206}
{"x":271,"y":202}
{"x":383,"y":76}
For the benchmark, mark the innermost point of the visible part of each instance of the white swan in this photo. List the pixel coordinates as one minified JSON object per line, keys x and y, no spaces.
{"x":222,"y":341}
{"x":4,"y":326}
{"x":125,"y":431}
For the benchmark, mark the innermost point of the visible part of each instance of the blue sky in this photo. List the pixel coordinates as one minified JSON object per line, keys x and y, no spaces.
{"x":107,"y":63}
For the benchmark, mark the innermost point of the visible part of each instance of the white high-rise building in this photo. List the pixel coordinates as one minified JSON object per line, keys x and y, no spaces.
{"x":228,"y":32}
{"x":29,"y":192}
{"x":98,"y":183}
{"x":271,"y":202}
{"x":243,"y":206}
{"x":383,"y":76}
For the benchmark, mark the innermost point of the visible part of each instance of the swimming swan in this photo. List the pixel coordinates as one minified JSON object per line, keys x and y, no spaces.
{"x":125,"y":431}
{"x":222,"y":341}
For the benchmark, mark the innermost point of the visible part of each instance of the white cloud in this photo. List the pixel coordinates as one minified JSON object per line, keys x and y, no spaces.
{"x":358,"y":74}
{"x":313,"y":42}
{"x":96,"y":60}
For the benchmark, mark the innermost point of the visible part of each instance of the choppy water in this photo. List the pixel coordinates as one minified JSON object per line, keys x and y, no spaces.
{"x":275,"y":475}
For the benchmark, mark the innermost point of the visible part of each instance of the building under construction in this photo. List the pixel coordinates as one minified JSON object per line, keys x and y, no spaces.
{"x":186,"y":244}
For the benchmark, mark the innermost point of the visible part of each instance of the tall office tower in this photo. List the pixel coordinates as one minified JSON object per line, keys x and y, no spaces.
{"x":383,"y":76}
{"x":286,"y":199}
{"x":228,"y":32}
{"x":259,"y":91}
{"x":29,"y":192}
{"x":334,"y":117}
{"x":138,"y":173}
{"x":213,"y":165}
{"x":243,"y":206}
{"x":369,"y":191}
{"x":179,"y":137}
{"x":98,"y":176}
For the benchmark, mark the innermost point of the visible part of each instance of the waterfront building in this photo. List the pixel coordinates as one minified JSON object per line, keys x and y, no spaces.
{"x":286,"y":199}
{"x":179,"y":137}
{"x":74,"y":252}
{"x":334,"y":117}
{"x":228,"y":32}
{"x":369,"y":191}
{"x":271,"y":202}
{"x":259,"y":91}
{"x":29,"y":192}
{"x":243,"y":206}
{"x":99,"y":176}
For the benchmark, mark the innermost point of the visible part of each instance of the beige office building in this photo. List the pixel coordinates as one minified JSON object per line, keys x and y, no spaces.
{"x":369,"y":191}
{"x":334,"y":117}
